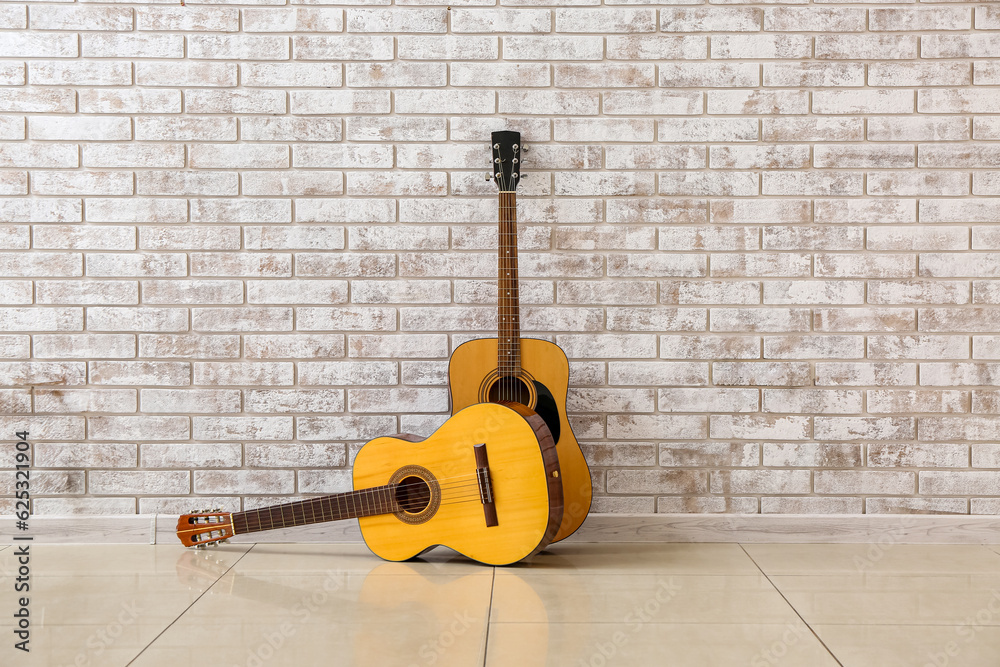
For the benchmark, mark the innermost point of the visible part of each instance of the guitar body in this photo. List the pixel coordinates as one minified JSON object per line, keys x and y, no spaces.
{"x":437,"y":484}
{"x":544,"y":371}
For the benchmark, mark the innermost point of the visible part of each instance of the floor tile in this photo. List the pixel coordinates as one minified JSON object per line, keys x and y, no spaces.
{"x":882,"y":557}
{"x":912,"y":645}
{"x":393,"y":615}
{"x":946,"y":599}
{"x":111,"y":559}
{"x":95,"y":645}
{"x":646,"y":645}
{"x":583,"y":557}
{"x":610,"y":598}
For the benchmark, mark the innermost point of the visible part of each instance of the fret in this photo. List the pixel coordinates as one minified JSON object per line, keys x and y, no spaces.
{"x":350,"y":505}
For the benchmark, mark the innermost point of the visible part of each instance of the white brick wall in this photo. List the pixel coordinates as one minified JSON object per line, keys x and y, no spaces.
{"x":239,"y":239}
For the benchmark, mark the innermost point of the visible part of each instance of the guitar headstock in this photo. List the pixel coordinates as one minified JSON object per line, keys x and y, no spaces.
{"x":205,"y":527}
{"x":506,"y":154}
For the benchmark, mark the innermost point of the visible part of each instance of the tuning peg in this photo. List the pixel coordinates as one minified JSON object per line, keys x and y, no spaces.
{"x":489,"y":177}
{"x":199,"y":546}
{"x":217,"y":509}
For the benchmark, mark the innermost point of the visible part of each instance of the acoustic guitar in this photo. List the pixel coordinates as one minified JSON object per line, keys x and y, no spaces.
{"x":486,"y":483}
{"x":528,"y":371}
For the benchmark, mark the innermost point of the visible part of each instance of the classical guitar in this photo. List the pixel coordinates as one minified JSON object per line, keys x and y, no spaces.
{"x":486,"y":484}
{"x":528,"y":371}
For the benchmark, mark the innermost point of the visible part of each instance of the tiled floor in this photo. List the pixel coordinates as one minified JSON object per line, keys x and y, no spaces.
{"x":577,"y":605}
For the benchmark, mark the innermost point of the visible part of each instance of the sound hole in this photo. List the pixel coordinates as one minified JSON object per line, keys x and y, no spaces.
{"x":512,"y":389}
{"x":413,"y":495}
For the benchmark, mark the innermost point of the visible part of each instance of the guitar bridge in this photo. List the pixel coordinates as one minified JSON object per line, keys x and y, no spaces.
{"x":485,"y":485}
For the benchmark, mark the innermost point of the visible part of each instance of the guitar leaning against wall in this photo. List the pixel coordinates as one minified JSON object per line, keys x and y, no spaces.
{"x":529,"y":371}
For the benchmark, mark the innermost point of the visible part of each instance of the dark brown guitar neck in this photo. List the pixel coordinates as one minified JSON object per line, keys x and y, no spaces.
{"x":508,"y":315}
{"x":350,"y":505}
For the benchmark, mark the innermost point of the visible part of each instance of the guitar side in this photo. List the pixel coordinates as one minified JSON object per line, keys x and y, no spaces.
{"x":524,"y":473}
{"x":472,"y":365}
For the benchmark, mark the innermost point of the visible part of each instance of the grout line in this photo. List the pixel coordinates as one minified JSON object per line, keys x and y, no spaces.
{"x":791,"y":606}
{"x":489,"y":616}
{"x":193,"y":603}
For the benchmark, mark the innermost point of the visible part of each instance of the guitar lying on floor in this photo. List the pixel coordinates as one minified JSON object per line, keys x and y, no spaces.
{"x":486,"y":484}
{"x":529,"y":371}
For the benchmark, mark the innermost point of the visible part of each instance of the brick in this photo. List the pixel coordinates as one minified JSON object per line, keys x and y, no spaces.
{"x":132,"y":46}
{"x":133,"y":155}
{"x":812,"y":454}
{"x":716,"y":292}
{"x":396,"y":129}
{"x":235,"y":482}
{"x":39,"y":45}
{"x":657,"y":47}
{"x":604,"y":75}
{"x":32,"y":319}
{"x":929,"y":183}
{"x":140,"y":427}
{"x":822,"y":401}
{"x":708,"y":238}
{"x":45,"y":264}
{"x":814,"y":74}
{"x":760,"y":427}
{"x":137,"y":319}
{"x":521,"y":75}
{"x":56,"y":73}
{"x":291,"y":74}
{"x":81,"y":183}
{"x":656,"y":265}
{"x":397,"y":20}
{"x":758,"y":319}
{"x":917,"y":291}
{"x":90,"y":292}
{"x":93,"y":128}
{"x":709,"y":75}
{"x":230,"y":102}
{"x":715,"y":19}
{"x":433,"y":47}
{"x":811,"y":183}
{"x":342,"y":47}
{"x":754,"y":102}
{"x":959,"y":46}
{"x":867,"y":47}
{"x":396,"y":74}
{"x":873,"y":101}
{"x":909,"y":401}
{"x":861,"y":374}
{"x":553,"y":48}
{"x":80,"y":18}
{"x":652,"y":319}
{"x":84,"y":346}
{"x":186,"y":74}
{"x":238,"y":47}
{"x":923,"y":18}
{"x":768,"y":482}
{"x":193,"y":237}
{"x":519,"y":20}
{"x":864,"y":482}
{"x":97,"y":237}
{"x":709,"y":347}
{"x":350,"y":427}
{"x":657,"y":373}
{"x":15,"y":292}
{"x":43,"y":100}
{"x":131,"y":482}
{"x":766,"y":373}
{"x":918,"y":347}
{"x":921,"y":74}
{"x":760,"y":210}
{"x":958,"y":483}
{"x":273,"y":346}
{"x":761,"y":46}
{"x":241,"y":210}
{"x":818,"y":19}
{"x":294,"y":19}
{"x":810,"y":347}
{"x":758,"y":157}
{"x":610,"y":20}
{"x":192,"y":291}
{"x":707,"y":129}
{"x":188,"y":19}
{"x":39,"y":155}
{"x":856,"y":211}
{"x":130,"y":101}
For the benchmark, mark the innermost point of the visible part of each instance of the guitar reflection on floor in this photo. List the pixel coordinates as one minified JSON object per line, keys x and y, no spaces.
{"x":421,"y":612}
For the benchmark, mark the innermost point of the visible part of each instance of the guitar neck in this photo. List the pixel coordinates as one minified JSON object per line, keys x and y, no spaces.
{"x":508,"y":302}
{"x":336,"y":507}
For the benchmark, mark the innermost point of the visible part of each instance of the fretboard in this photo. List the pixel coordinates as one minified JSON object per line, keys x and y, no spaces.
{"x":350,"y":505}
{"x":508,"y":314}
